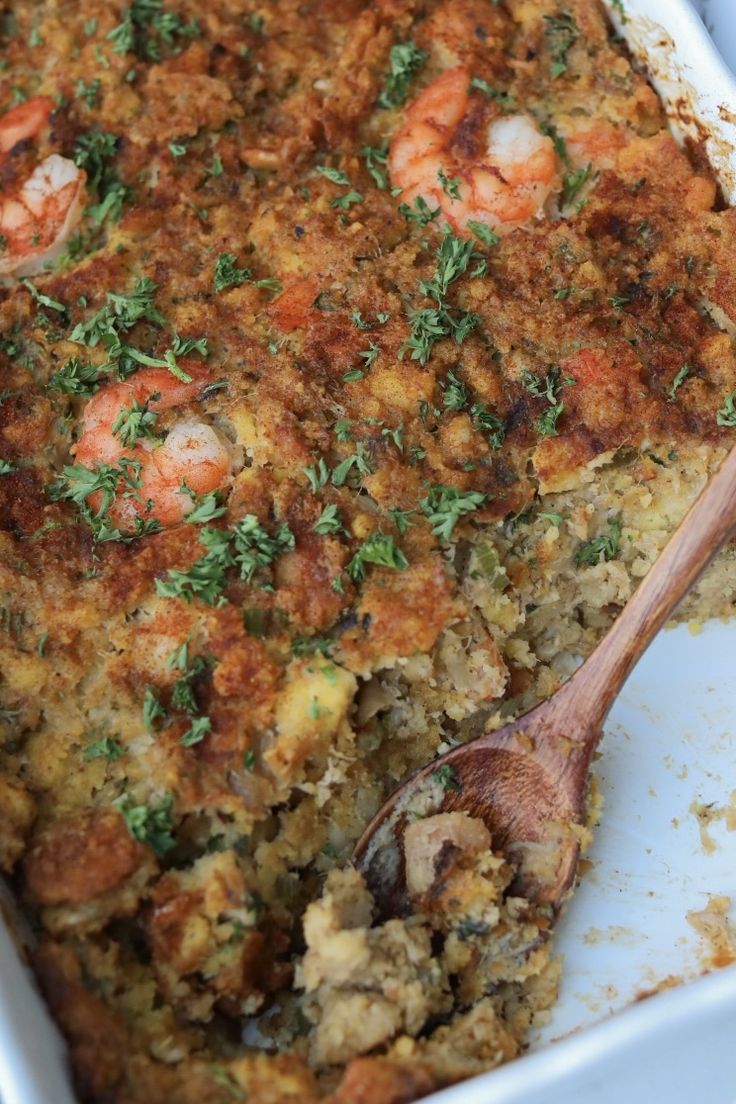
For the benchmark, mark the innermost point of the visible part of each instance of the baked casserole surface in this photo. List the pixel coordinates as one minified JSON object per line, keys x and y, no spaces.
{"x":326,"y":442}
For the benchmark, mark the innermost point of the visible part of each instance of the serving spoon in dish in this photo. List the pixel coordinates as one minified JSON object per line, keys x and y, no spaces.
{"x":529,"y":780}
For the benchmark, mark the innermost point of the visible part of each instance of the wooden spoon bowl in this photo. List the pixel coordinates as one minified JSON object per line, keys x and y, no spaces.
{"x":528,"y":781}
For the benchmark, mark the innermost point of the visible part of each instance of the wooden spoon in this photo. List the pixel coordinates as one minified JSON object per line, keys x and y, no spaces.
{"x":528,"y":781}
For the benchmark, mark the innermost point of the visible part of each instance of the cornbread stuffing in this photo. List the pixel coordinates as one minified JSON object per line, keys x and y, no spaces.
{"x":357,"y":358}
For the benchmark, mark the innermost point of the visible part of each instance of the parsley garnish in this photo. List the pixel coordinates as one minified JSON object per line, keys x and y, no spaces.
{"x":456,"y":395}
{"x":548,"y":388}
{"x":678,"y":381}
{"x":94,"y":152}
{"x":328,"y":521}
{"x":450,"y":184}
{"x":106,"y":748}
{"x":75,"y":378}
{"x":6,"y":467}
{"x":77,"y":482}
{"x":562,"y":33}
{"x":151,"y":824}
{"x":375,"y":162}
{"x":422,"y":214}
{"x":479,"y":85}
{"x":255,"y":548}
{"x":136,"y":421}
{"x":379,"y":549}
{"x":146,"y":29}
{"x":447,"y":777}
{"x":483,"y":232}
{"x":444,"y":506}
{"x":428,"y":325}
{"x":335,"y":175}
{"x":573,"y":184}
{"x":88,"y":92}
{"x":153,"y":711}
{"x":600,"y":549}
{"x":405,"y":60}
{"x":346,"y":201}
{"x":317,"y":474}
{"x":726,"y":416}
{"x":207,"y":508}
{"x":227,"y":274}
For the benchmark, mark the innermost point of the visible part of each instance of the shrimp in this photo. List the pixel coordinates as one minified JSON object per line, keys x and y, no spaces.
{"x":505,"y":184}
{"x":36,"y":221}
{"x":192,"y":454}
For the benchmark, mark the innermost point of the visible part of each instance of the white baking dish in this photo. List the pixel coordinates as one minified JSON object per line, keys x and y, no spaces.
{"x":669,"y":738}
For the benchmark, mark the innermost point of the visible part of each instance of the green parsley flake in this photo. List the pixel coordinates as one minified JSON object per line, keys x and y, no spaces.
{"x":405,"y":60}
{"x":378,"y":549}
{"x":444,"y":506}
{"x":600,"y":549}
{"x":726,"y":416}
{"x":151,"y":824}
{"x":562,"y":33}
{"x":678,"y":381}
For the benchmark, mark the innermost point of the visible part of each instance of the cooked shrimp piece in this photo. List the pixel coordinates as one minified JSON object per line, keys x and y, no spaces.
{"x":502,"y":177}
{"x":591,"y":141}
{"x":192,"y":453}
{"x":25,"y":120}
{"x":36,"y":221}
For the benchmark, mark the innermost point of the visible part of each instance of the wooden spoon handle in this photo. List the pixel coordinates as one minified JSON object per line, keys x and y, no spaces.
{"x":708,"y":525}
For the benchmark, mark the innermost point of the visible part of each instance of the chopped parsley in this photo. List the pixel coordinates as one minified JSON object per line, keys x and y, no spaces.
{"x":328,"y":521}
{"x":421,"y":213}
{"x":77,"y":483}
{"x":602,"y":548}
{"x":95,"y":152}
{"x":444,"y":506}
{"x":88,"y":92}
{"x":227,"y":274}
{"x":153,"y":711}
{"x":247,"y":547}
{"x":346,"y":201}
{"x":119,"y":314}
{"x":450,"y":184}
{"x":447,"y":777}
{"x":483,"y":232}
{"x":206,"y":508}
{"x":151,"y":824}
{"x":726,"y":416}
{"x":678,"y":381}
{"x":106,"y":748}
{"x":429,"y":324}
{"x":405,"y":60}
{"x":136,"y":421}
{"x":147,"y":31}
{"x":255,"y":548}
{"x":317,"y":474}
{"x":378,"y":549}
{"x":456,"y":395}
{"x":75,"y":378}
{"x":548,"y":388}
{"x":375,"y":162}
{"x":6,"y":467}
{"x":562,"y":33}
{"x":334,"y":175}
{"x":479,"y":85}
{"x":196,"y":732}
{"x":573,"y":183}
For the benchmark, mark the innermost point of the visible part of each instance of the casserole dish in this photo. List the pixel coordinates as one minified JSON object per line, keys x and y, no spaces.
{"x":683,"y":121}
